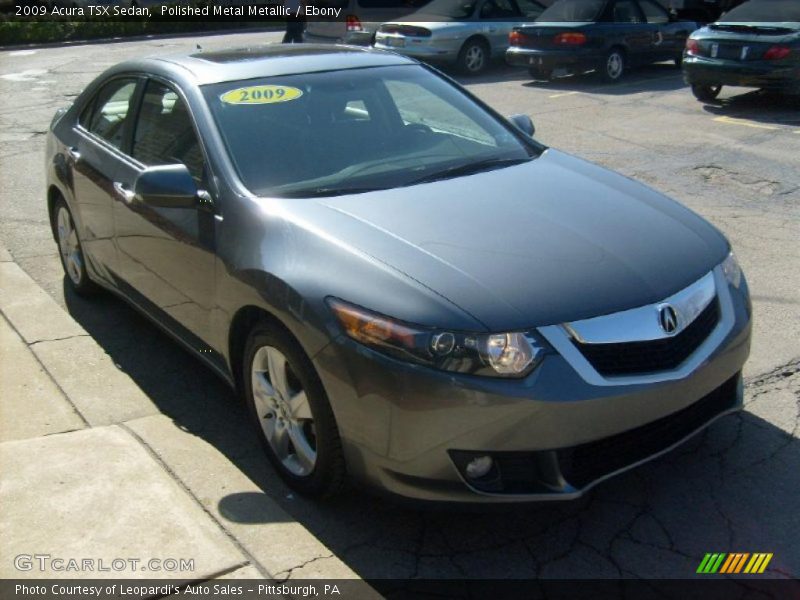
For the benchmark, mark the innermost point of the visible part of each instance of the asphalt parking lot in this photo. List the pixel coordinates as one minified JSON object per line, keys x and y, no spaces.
{"x":735,"y":488}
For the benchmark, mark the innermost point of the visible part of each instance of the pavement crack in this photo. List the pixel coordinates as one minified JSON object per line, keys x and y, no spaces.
{"x":59,"y":339}
{"x":287,"y":574}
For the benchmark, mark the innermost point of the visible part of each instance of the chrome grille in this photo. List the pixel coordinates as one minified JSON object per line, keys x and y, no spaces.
{"x":651,"y":356}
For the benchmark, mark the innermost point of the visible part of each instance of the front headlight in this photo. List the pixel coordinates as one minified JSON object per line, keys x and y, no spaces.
{"x":732,"y":270}
{"x":492,"y":354}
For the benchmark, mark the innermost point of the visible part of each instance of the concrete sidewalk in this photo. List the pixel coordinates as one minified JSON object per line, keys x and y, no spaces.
{"x":90,"y":469}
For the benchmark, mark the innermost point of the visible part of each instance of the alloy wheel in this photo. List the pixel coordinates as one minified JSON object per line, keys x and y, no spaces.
{"x":474,"y":58}
{"x":68,"y":245}
{"x":614,"y":66}
{"x":283,"y":411}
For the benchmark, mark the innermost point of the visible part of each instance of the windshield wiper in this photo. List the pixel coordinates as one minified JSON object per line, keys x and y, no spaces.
{"x":329,"y":191}
{"x":468,"y":169}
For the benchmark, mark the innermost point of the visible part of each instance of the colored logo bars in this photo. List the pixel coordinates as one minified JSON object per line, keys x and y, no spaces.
{"x":737,"y":562}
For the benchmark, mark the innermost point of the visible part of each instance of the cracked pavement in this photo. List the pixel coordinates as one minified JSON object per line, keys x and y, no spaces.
{"x":735,"y":487}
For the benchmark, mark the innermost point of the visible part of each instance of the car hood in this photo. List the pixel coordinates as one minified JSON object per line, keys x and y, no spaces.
{"x":552,"y":240}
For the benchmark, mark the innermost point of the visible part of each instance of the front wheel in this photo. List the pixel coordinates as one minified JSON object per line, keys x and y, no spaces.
{"x":614,"y":66}
{"x":291,"y":412}
{"x":706,"y":93}
{"x":474,"y":57}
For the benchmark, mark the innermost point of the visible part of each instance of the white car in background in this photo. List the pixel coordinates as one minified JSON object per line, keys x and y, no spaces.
{"x":467,"y":33}
{"x":358,"y":21}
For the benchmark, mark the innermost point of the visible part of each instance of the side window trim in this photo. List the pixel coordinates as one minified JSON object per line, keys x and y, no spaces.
{"x":136,"y":104}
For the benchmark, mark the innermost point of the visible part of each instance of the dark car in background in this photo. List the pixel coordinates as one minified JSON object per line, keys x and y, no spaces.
{"x":755,"y":45}
{"x":607,"y":36}
{"x":404,"y":286}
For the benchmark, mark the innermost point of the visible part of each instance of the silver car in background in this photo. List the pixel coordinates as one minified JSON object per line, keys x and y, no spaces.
{"x":467,"y":33}
{"x":358,"y":21}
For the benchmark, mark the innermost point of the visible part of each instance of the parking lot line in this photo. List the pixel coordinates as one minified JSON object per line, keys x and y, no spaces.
{"x":744,"y":123}
{"x":564,"y":94}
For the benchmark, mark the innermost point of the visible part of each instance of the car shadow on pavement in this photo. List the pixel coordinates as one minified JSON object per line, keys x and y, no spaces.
{"x":732,"y":488}
{"x":496,"y":73}
{"x":758,"y":106}
{"x":661,"y":77}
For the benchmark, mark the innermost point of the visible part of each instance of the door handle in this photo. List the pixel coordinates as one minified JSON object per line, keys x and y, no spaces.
{"x":74,"y":154}
{"x":123,"y":192}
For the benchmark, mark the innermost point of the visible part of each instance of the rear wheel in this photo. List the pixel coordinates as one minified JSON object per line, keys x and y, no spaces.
{"x":291,"y":412}
{"x":706,"y":93}
{"x":613,"y":66}
{"x":70,"y":250}
{"x":473,"y":57}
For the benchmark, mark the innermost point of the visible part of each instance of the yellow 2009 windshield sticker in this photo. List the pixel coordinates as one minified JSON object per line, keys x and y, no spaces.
{"x":261,"y":94}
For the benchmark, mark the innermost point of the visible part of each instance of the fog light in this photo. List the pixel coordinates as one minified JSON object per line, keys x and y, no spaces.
{"x":478,"y":467}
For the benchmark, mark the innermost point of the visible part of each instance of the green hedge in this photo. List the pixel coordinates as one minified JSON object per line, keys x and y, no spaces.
{"x":41,"y":32}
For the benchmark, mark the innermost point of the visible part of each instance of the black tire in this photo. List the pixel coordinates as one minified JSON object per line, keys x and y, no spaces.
{"x":541,"y":74}
{"x":71,"y":254}
{"x":613,"y":67}
{"x":706,"y":93}
{"x":328,"y":474}
{"x":473,"y":58}
{"x":678,"y":60}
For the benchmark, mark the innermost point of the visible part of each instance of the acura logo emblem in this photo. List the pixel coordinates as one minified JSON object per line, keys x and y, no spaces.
{"x":667,"y":318}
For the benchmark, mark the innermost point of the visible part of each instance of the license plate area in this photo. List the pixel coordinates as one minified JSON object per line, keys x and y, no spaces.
{"x":392,"y":41}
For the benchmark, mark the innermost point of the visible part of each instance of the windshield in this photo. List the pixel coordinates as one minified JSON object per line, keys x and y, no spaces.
{"x":764,"y":11}
{"x":572,"y":11}
{"x":453,"y":9}
{"x":356,"y":130}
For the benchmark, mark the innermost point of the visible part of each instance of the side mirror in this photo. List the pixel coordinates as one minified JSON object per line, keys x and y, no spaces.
{"x":523,"y":123}
{"x":166,"y":186}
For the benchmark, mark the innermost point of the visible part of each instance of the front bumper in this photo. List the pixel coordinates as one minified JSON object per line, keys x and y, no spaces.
{"x":714,"y":71}
{"x":572,"y":61}
{"x":554,"y":435}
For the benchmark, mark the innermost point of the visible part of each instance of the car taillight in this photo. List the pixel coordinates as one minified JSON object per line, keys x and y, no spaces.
{"x":516,"y":38}
{"x":569,"y":39}
{"x":352,"y":23}
{"x":692,"y":46}
{"x":415,"y":31}
{"x":777,"y":53}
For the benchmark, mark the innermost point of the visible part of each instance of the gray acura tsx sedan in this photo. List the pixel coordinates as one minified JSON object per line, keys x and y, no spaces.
{"x":404,"y":286}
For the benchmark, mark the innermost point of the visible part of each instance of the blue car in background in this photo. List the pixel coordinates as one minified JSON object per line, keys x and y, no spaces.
{"x":607,"y":36}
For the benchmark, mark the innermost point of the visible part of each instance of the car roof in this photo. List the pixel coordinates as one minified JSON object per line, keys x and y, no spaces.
{"x":216,"y":66}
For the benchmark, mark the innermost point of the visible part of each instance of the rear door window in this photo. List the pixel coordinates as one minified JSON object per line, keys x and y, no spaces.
{"x":498,"y":9}
{"x":111,"y":111}
{"x":626,"y":11}
{"x":529,"y":8}
{"x":653,"y":12}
